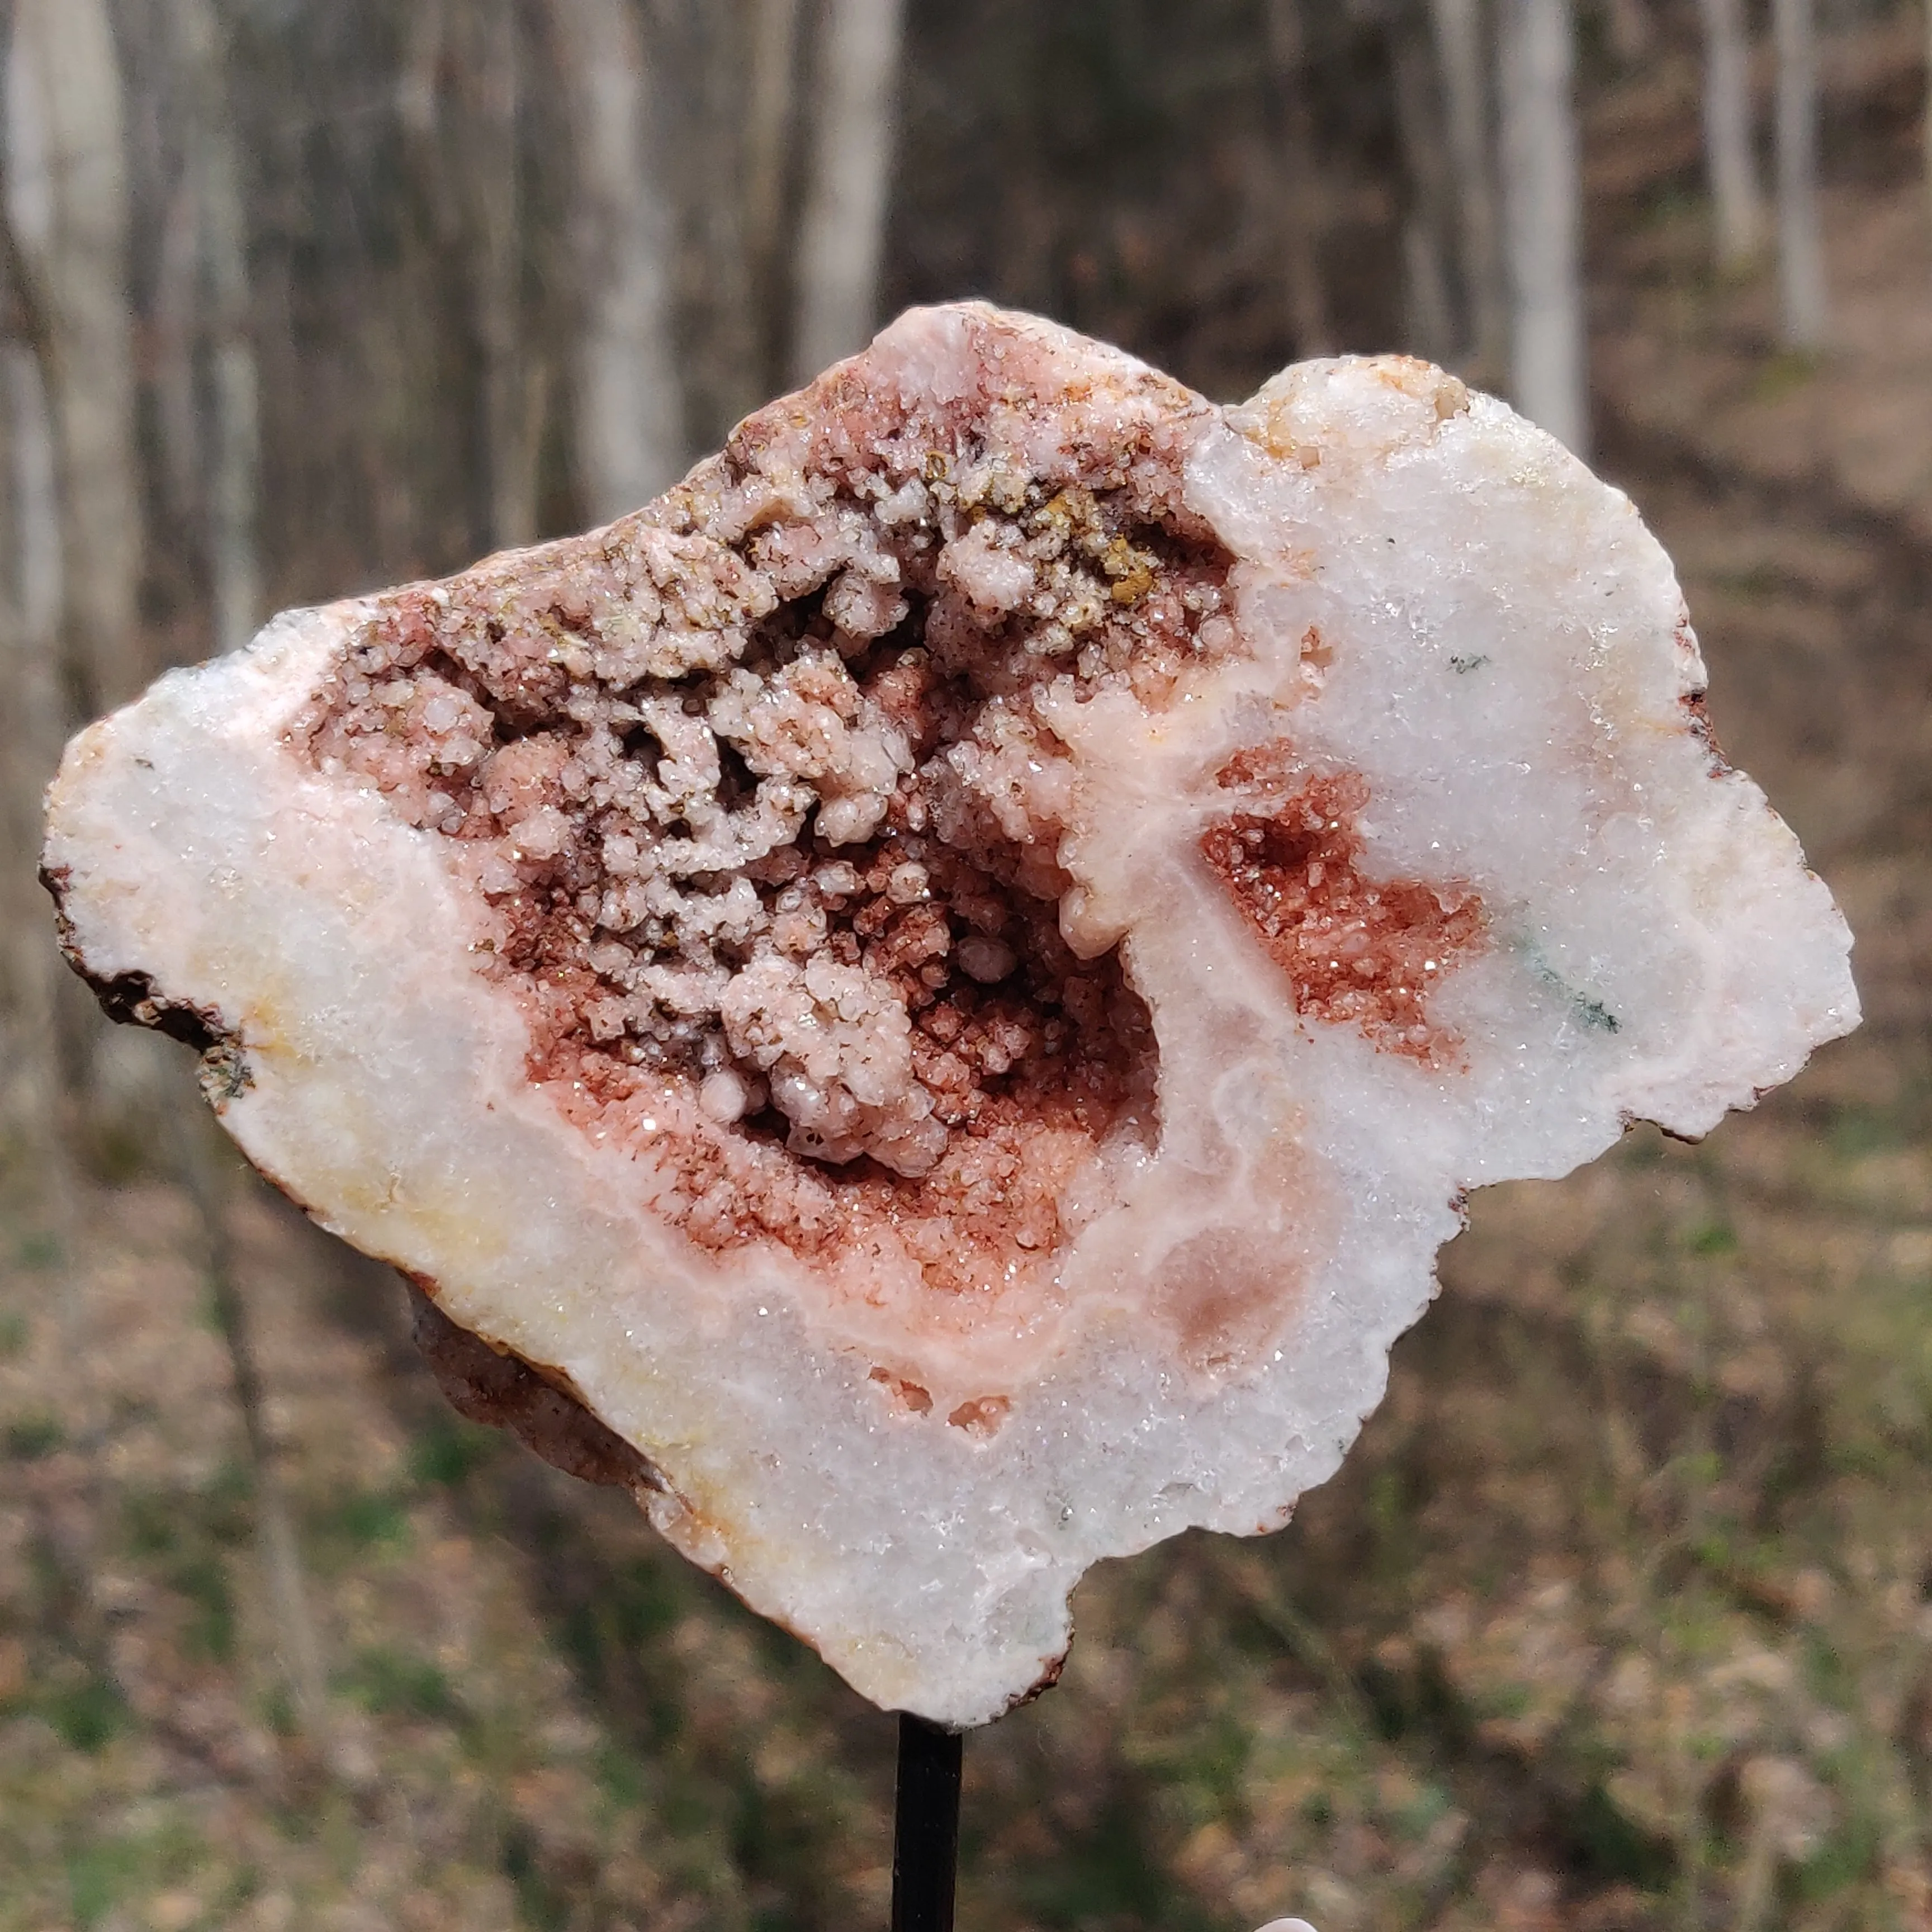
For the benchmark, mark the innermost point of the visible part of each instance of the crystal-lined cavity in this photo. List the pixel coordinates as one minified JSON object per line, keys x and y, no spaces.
{"x":925,"y":1002}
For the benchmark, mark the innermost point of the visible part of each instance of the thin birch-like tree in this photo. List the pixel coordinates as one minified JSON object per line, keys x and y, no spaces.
{"x":70,"y":221}
{"x":1800,"y":243}
{"x":70,"y":622}
{"x":850,"y":120}
{"x":35,"y":721}
{"x":628,"y":417}
{"x":1462,"y":54}
{"x":1542,"y":196}
{"x":1737,"y":201}
{"x":76,"y":535}
{"x":215,"y":195}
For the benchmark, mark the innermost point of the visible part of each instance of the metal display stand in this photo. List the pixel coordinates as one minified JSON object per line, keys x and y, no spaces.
{"x":925,"y":1827}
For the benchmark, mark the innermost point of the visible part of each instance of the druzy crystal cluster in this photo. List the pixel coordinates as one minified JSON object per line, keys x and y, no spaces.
{"x":926,"y":1000}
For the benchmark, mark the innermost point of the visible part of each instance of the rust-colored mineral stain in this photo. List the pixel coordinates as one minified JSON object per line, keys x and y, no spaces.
{"x":910,"y":1395}
{"x":983,"y":1416}
{"x":1225,"y":1297}
{"x":487,"y":1385}
{"x":1357,"y":951}
{"x":1697,"y":716}
{"x":860,"y":569}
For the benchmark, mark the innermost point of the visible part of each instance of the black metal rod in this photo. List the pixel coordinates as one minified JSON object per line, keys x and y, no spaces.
{"x":925,"y":1827}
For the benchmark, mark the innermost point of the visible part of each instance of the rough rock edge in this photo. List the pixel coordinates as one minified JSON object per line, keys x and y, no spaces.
{"x":132,"y":997}
{"x":487,"y":1384}
{"x":484,"y":1381}
{"x":480,"y":1380}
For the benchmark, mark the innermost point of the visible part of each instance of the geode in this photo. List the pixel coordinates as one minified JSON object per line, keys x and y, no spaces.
{"x":946,"y":979}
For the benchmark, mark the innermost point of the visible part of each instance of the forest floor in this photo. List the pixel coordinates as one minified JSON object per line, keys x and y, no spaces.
{"x":1618,"y":1616}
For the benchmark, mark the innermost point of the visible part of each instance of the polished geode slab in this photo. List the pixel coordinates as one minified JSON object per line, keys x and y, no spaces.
{"x":945,"y":980}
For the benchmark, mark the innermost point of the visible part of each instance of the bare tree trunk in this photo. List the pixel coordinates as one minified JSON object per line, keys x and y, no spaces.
{"x":486,"y":32}
{"x":1801,"y":248}
{"x":842,"y":236}
{"x":33,"y":725}
{"x":1460,"y":47}
{"x":1302,"y":222}
{"x":628,"y":417}
{"x":296,"y":1635}
{"x":70,"y":192}
{"x":725,"y":369}
{"x":69,"y":402}
{"x":770,"y":97}
{"x":1431,"y":327}
{"x":34,"y":482}
{"x":234,"y":556}
{"x":1542,"y":199}
{"x":171,"y":323}
{"x":1736,"y":201}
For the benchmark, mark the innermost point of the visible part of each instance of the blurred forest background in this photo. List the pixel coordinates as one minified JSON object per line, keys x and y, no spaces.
{"x":1619,"y":1616}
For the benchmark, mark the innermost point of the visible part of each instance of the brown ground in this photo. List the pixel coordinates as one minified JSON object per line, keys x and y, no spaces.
{"x":1619,"y":1616}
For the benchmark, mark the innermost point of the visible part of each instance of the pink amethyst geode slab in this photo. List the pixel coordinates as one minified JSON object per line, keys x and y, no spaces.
{"x":946,"y":979}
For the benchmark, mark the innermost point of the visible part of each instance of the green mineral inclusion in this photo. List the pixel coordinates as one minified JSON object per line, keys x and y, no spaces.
{"x":1593,"y":1013}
